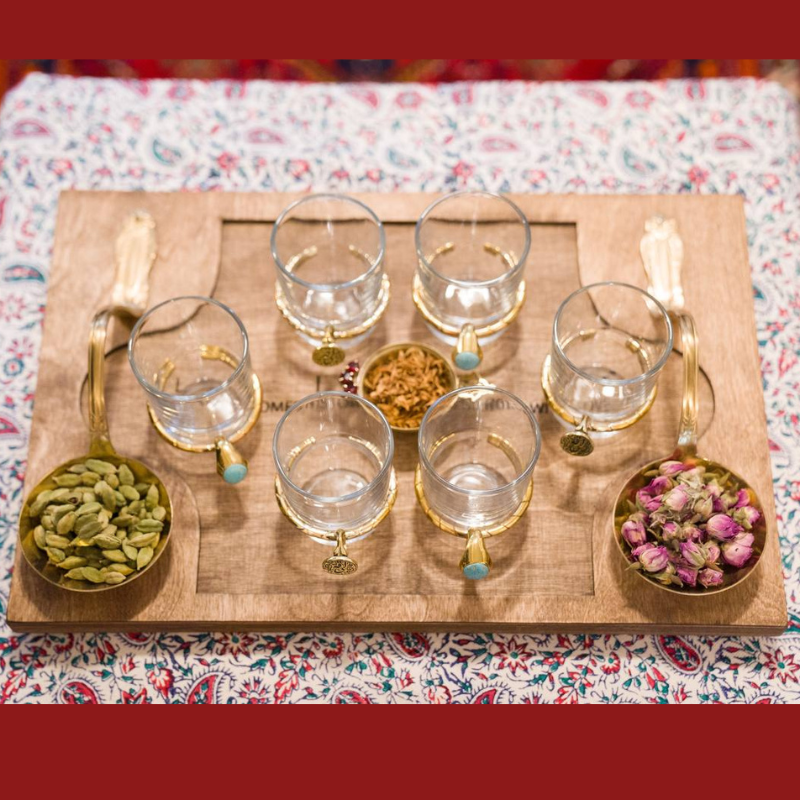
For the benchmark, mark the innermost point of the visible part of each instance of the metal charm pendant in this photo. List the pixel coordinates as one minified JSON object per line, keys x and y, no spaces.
{"x":340,"y":563}
{"x":476,"y":561}
{"x":328,"y":354}
{"x":231,"y":465}
{"x":578,"y":442}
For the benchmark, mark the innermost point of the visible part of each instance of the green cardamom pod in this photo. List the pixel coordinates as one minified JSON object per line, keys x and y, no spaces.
{"x":123,"y":569}
{"x":160,"y":513}
{"x":100,"y":467}
{"x":144,"y":558}
{"x":67,"y":479}
{"x":120,"y":498}
{"x":54,"y":540}
{"x":141,"y":487}
{"x":83,"y":520}
{"x":60,"y":511}
{"x":130,"y":552}
{"x":114,"y":578}
{"x":129,"y":493}
{"x":48,"y":523}
{"x":106,"y":542}
{"x":89,"y":479}
{"x":71,"y":562}
{"x":77,"y":469}
{"x":92,"y":574}
{"x":58,"y":496}
{"x":89,"y":508}
{"x":90,"y":530}
{"x":76,"y":574}
{"x":135,"y":507}
{"x":126,"y":477}
{"x":148,"y":525}
{"x":152,"y":498}
{"x":113,"y":481}
{"x":39,"y":537}
{"x":143,"y":539}
{"x":66,"y":523}
{"x":106,"y":495}
{"x":39,"y":504}
{"x":115,"y":555}
{"x":56,"y":554}
{"x":124,"y":520}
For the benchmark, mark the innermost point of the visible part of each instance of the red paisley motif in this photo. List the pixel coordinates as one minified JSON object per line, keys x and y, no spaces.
{"x":78,"y":693}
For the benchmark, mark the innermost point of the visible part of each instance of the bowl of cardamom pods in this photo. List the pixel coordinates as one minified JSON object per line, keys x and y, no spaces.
{"x":95,"y":523}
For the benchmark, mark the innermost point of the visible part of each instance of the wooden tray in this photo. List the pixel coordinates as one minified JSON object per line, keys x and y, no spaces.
{"x":235,"y":563}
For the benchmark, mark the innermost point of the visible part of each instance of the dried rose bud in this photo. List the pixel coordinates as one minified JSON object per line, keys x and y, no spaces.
{"x":687,"y":575}
{"x":746,"y":539}
{"x":742,"y":498}
{"x":747,"y":516}
{"x":709,"y":577}
{"x":736,"y":554}
{"x":675,"y":499}
{"x":714,"y":489}
{"x":642,"y":548}
{"x":654,"y":560}
{"x":671,"y":531}
{"x":704,"y":506}
{"x":694,"y":555}
{"x":646,"y":501}
{"x":671,"y":468}
{"x":633,"y":530}
{"x":712,"y":554}
{"x":692,"y":533}
{"x":729,"y":499}
{"x":722,"y":527}
{"x":659,"y":485}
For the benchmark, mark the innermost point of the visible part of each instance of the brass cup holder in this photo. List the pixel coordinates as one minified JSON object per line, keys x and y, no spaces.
{"x":578,"y":441}
{"x":340,"y":563}
{"x":232,"y":467}
{"x":468,"y":354}
{"x":328,"y":353}
{"x":475,"y":563}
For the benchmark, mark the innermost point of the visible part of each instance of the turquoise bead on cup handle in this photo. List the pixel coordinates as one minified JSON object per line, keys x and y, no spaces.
{"x":231,"y":464}
{"x":467,"y":354}
{"x":476,"y":561}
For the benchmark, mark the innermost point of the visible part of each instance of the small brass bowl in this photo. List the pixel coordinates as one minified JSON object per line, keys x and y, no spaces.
{"x":385,"y":353}
{"x":731,"y":576}
{"x":38,"y":559}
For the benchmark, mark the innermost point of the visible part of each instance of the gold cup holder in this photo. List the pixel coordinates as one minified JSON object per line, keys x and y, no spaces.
{"x":467,"y":354}
{"x":328,"y":353}
{"x":340,"y":563}
{"x":475,"y":563}
{"x":232,"y":467}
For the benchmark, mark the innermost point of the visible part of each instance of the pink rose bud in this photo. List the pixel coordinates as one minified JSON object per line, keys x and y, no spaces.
{"x":742,"y":498}
{"x":634,"y":532}
{"x":671,"y":468}
{"x":722,"y":527}
{"x":714,"y":489}
{"x":729,"y":499}
{"x":693,"y":534}
{"x":709,"y":577}
{"x":687,"y":575}
{"x":746,"y":539}
{"x":646,"y":501}
{"x":675,"y":499}
{"x":642,"y":548}
{"x":736,"y":554}
{"x":654,"y":560}
{"x":694,"y":555}
{"x":659,"y":485}
{"x":670,"y":531}
{"x":712,"y":554}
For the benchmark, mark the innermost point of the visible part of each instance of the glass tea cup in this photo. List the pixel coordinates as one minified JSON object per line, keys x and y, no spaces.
{"x":478,"y":446}
{"x":335,"y":480}
{"x":191,"y":355}
{"x":329,"y":253}
{"x":468,"y":286}
{"x":610,"y":342}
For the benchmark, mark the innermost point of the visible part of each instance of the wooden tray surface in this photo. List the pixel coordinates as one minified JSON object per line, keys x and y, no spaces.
{"x":235,"y":563}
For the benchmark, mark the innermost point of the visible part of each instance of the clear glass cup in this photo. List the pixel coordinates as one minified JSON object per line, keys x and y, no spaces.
{"x":333,"y":454}
{"x":329,"y":253}
{"x":478,"y":446}
{"x":610,"y":342}
{"x":471,"y":252}
{"x":191,"y":355}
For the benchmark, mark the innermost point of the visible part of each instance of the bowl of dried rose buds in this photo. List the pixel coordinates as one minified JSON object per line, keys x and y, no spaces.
{"x":690,"y":528}
{"x":404,"y":380}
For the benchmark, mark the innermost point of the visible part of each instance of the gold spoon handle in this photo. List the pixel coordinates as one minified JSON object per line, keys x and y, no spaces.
{"x":687,"y":438}
{"x":98,"y":420}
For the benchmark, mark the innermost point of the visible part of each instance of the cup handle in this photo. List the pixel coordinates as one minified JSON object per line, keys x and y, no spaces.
{"x":476,"y":561}
{"x":340,"y":563}
{"x":467,"y":354}
{"x":578,"y":442}
{"x":231,"y":464}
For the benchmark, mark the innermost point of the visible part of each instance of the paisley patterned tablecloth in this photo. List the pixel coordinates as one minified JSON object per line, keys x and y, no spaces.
{"x":703,"y":137}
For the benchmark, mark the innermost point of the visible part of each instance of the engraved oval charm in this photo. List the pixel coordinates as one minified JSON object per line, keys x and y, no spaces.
{"x":577,"y":443}
{"x":339,"y":565}
{"x":328,"y":355}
